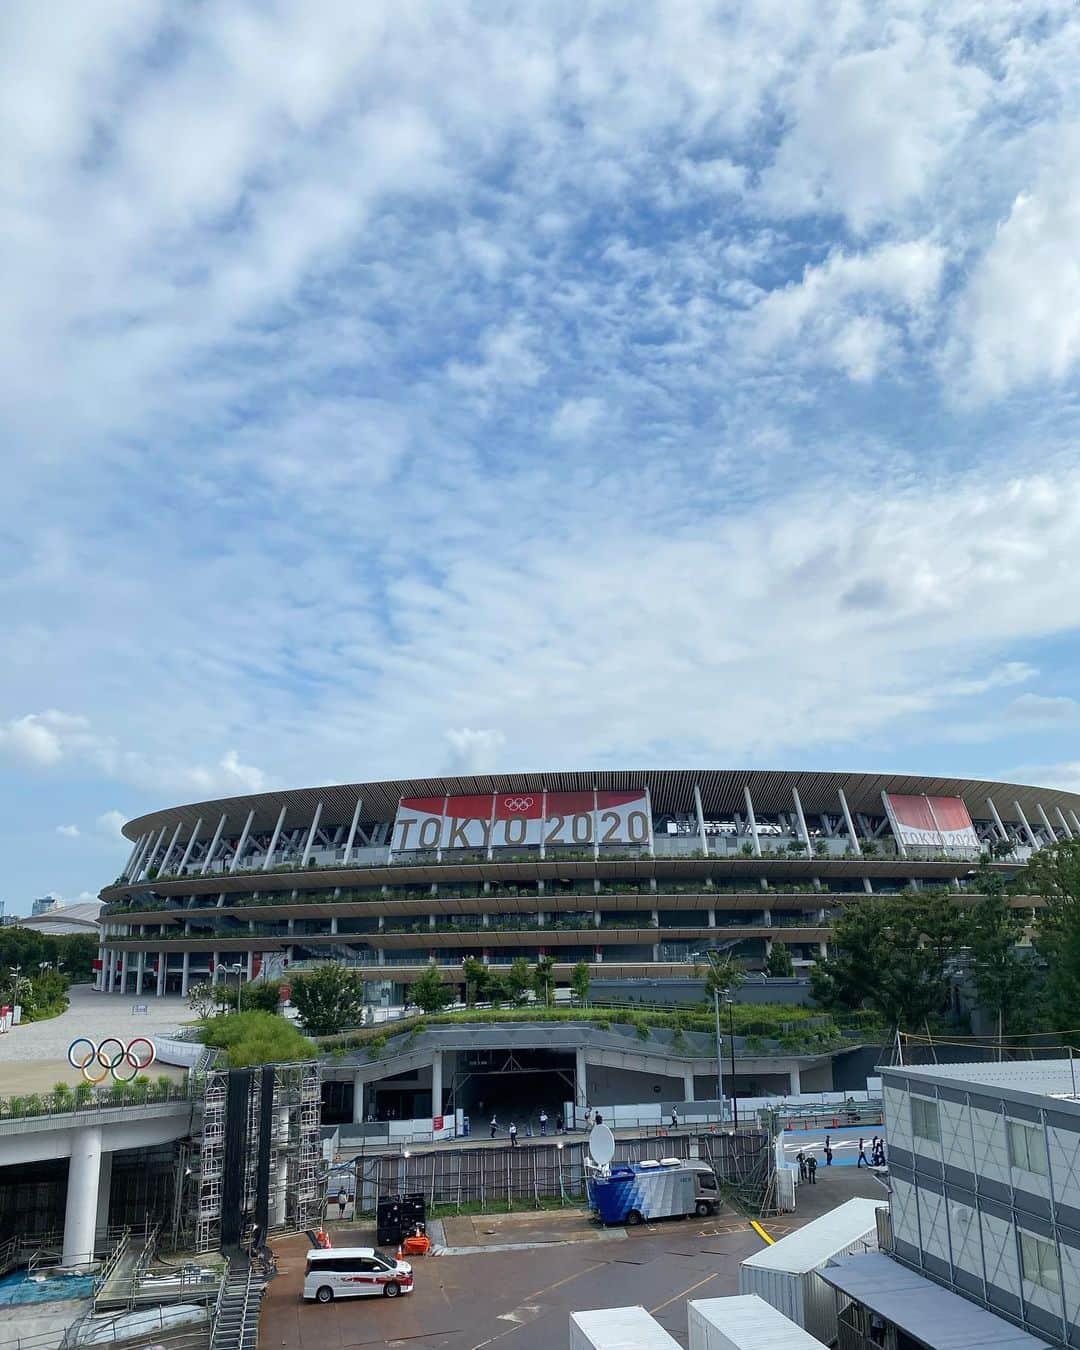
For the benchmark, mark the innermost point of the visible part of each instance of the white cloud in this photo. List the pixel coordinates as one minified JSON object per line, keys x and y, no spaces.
{"x":849,"y":311}
{"x":1018,"y":320}
{"x":1043,"y":710}
{"x":43,"y":739}
{"x":474,"y":751}
{"x":68,"y":831}
{"x":575,"y":418}
{"x":112,"y":823}
{"x":506,"y":361}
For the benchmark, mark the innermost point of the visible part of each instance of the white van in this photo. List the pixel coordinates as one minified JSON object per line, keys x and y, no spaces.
{"x":352,"y":1272}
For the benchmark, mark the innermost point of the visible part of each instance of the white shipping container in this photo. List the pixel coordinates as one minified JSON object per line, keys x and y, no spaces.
{"x":744,"y":1322}
{"x":785,"y":1274}
{"x":618,"y":1329}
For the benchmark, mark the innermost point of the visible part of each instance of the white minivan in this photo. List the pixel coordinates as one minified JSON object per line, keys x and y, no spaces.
{"x":352,"y":1272}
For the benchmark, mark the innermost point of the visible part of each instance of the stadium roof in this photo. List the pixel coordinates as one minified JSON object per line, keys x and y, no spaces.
{"x":672,"y":790}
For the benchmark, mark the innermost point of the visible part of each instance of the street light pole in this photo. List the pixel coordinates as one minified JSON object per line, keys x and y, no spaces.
{"x":734,"y":1098}
{"x":719,"y":1057}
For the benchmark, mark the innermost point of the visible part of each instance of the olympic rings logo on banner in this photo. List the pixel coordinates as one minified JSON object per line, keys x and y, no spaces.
{"x":112,"y":1056}
{"x":517,"y":803}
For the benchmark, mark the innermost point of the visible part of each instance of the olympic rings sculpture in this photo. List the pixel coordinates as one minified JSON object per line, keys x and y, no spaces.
{"x":112,"y":1056}
{"x":517,"y":803}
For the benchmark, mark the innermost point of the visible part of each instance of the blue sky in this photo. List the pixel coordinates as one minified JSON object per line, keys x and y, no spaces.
{"x":467,"y":388}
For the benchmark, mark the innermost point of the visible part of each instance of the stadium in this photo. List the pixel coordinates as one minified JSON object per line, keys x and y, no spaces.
{"x":636,"y":873}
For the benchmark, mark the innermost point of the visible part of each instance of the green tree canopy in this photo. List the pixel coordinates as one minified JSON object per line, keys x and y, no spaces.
{"x":544,"y":979}
{"x":1002,"y":977}
{"x":1054,"y":874}
{"x":430,"y":993}
{"x":580,"y":980}
{"x":329,"y":998}
{"x":257,"y":1038}
{"x":780,"y":965}
{"x":518,"y":979}
{"x":721,"y":973}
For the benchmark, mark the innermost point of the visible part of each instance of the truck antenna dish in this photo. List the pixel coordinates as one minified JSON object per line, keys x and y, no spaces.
{"x":601,"y":1145}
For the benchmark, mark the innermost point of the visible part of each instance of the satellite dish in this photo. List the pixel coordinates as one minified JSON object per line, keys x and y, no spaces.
{"x":601,"y":1144}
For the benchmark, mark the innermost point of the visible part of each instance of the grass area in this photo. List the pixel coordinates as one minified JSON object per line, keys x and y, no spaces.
{"x":765,"y":1027}
{"x":468,"y":1207}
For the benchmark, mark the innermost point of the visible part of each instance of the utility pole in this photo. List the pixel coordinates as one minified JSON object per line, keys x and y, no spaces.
{"x":719,"y":1056}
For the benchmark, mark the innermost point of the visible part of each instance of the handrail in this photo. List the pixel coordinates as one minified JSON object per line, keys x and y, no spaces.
{"x":32,"y":1105}
{"x":110,"y":1263}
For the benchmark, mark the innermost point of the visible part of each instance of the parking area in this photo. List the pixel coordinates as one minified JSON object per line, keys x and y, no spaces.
{"x":516,"y":1288}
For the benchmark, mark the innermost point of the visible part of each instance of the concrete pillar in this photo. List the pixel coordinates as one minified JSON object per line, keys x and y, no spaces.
{"x":823,"y":949}
{"x":139,"y":968}
{"x":581,"y":1084}
{"x":104,"y":1190}
{"x":596,"y":918}
{"x":162,"y":959}
{"x":436,"y":1084}
{"x":688,"y":1085}
{"x":80,"y":1214}
{"x":795,"y":1080}
{"x":656,"y":951}
{"x":358,"y":1099}
{"x":712,"y":917}
{"x":249,"y":969}
{"x":185,"y":970}
{"x":112,"y":970}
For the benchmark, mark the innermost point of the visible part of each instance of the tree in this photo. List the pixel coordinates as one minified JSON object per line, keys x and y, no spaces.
{"x":1054,"y":874}
{"x":257,"y":1038}
{"x":429,"y":993}
{"x":476,"y":979}
{"x":780,"y":965}
{"x":518,"y":980}
{"x":721,"y":973}
{"x":1001,"y":976}
{"x":580,"y":979}
{"x":328,"y":999}
{"x":891,"y":953}
{"x":203,"y":999}
{"x":543,"y":978}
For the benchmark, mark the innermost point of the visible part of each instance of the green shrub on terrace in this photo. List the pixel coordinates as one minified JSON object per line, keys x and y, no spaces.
{"x":256,"y":1038}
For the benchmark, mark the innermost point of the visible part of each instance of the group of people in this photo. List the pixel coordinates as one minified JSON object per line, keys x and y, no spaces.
{"x":877,"y":1153}
{"x":512,"y":1129}
{"x":808,"y":1166}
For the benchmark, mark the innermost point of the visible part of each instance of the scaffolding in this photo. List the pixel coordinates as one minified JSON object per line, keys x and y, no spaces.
{"x":295,"y":1164}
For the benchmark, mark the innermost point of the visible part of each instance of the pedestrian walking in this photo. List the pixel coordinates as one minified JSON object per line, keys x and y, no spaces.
{"x":674,"y":1118}
{"x":599,"y":1118}
{"x":513,"y":1135}
{"x":558,"y":1123}
{"x":494,"y":1127}
{"x":342,"y":1201}
{"x":588,"y":1117}
{"x":862,"y":1154}
{"x":828,"y":1152}
{"x":800,"y":1158}
{"x":811,"y":1169}
{"x":543,"y":1123}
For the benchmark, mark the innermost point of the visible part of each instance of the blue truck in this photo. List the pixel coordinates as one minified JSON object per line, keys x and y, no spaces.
{"x":631,"y":1193}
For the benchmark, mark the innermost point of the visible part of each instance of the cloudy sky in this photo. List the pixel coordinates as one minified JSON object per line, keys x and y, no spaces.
{"x":391,"y":390}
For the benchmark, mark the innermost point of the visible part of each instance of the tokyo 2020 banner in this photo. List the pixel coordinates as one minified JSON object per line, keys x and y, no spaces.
{"x":931,"y":822}
{"x":519,"y":819}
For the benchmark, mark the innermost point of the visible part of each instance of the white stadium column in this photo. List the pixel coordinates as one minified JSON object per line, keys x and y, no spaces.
{"x":581,"y":1084}
{"x":1064,"y":823}
{"x":794,"y":1083}
{"x":190,"y":845}
{"x":352,"y":829}
{"x":752,"y":819}
{"x":852,"y":836}
{"x":136,"y":867}
{"x":802,"y":821}
{"x":311,"y":835}
{"x":185,"y":971}
{"x":162,"y":960}
{"x":272,"y":846}
{"x":172,"y":845}
{"x":436,"y":1084}
{"x":648,"y":817}
{"x":80,"y":1214}
{"x":997,"y":820}
{"x":243,"y":841}
{"x":358,"y":1099}
{"x":1075,"y":820}
{"x":148,"y":861}
{"x":1046,"y":822}
{"x":213,"y":846}
{"x":140,"y":963}
{"x":688,"y":1085}
{"x":133,"y":855}
{"x":701,"y":820}
{"x":1027,"y":828}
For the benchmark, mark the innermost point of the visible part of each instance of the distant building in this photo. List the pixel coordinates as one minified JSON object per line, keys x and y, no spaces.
{"x":60,"y":919}
{"x":45,"y":904}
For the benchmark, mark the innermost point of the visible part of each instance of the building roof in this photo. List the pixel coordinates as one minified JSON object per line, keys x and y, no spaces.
{"x":1039,"y":1077}
{"x":924,"y":1310}
{"x":810,"y":1246}
{"x":79,"y":918}
{"x":671,"y":790}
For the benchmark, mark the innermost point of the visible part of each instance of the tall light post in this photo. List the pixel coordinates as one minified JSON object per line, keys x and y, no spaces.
{"x":719,"y":1056}
{"x":731,"y":1029}
{"x":236,"y":969}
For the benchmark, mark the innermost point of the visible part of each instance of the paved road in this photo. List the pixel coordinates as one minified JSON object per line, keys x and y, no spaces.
{"x":521,"y":1300}
{"x":845,"y":1144}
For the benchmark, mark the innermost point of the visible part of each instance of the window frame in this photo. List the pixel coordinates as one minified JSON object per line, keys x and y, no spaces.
{"x":1046,"y":1276}
{"x":1021,"y":1157}
{"x":922,"y":1110}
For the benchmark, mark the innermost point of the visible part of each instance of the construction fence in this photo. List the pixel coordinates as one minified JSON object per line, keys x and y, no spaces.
{"x":496,"y":1178}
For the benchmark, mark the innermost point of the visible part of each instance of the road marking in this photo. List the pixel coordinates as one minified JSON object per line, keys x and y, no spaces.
{"x":675,"y":1297}
{"x":566,"y":1280}
{"x":762,"y":1233}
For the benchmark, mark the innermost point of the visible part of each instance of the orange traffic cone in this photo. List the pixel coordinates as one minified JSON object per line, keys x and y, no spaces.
{"x":400,"y":1253}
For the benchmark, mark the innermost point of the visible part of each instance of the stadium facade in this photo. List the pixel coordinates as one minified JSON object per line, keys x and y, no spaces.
{"x":636,"y":873}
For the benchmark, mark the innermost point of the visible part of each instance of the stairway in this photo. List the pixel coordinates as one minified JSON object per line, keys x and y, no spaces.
{"x":236,"y":1319}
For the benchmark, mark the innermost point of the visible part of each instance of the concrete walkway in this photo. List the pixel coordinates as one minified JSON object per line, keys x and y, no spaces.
{"x":97,"y":1016}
